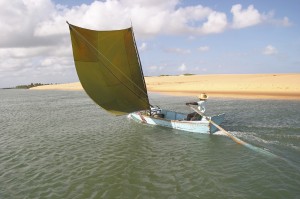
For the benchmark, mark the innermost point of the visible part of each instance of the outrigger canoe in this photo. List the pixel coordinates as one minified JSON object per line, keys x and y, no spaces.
{"x":110,"y":71}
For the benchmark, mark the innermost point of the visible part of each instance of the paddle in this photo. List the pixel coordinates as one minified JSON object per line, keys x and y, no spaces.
{"x":220,"y":128}
{"x":235,"y":139}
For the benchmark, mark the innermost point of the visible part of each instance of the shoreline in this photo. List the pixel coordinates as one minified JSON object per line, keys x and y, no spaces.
{"x":246,"y":86}
{"x":236,"y":95}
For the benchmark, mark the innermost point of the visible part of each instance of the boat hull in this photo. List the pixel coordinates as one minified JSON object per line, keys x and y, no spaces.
{"x":178,"y":121}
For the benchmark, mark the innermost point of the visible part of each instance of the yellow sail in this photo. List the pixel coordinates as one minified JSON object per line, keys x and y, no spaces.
{"x":109,"y":69}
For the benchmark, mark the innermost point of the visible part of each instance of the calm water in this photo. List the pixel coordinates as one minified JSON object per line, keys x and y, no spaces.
{"x":56,"y":144}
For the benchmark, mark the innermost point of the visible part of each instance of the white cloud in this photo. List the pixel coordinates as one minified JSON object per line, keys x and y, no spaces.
{"x":34,"y":33}
{"x":143,"y":46}
{"x":18,"y":22}
{"x":161,"y":17}
{"x":285,"y":22}
{"x":281,"y":22}
{"x":216,"y":23}
{"x":40,"y":22}
{"x":178,"y":50}
{"x":245,"y":18}
{"x":156,"y":68}
{"x":251,"y":17}
{"x":270,"y":50}
{"x":203,"y":48}
{"x":182,"y":67}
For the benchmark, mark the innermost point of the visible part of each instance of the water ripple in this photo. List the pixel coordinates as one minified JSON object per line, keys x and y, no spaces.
{"x":60,"y":145}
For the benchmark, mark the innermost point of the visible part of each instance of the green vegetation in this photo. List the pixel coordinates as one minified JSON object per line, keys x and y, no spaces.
{"x":29,"y":86}
{"x":164,"y":75}
{"x":188,"y":74}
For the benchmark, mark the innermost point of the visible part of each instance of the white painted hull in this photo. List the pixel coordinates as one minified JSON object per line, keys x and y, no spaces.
{"x":176,"y":120}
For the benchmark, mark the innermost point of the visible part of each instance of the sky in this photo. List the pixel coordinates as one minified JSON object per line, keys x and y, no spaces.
{"x":173,"y":37}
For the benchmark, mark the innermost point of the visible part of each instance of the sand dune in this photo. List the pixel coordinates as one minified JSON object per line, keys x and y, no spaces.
{"x":246,"y":86}
{"x":254,"y":86}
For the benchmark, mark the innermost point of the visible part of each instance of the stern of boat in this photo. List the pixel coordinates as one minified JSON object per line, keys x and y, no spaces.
{"x":218,"y":119}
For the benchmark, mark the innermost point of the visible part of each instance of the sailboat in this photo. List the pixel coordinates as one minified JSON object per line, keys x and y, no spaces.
{"x":109,"y":68}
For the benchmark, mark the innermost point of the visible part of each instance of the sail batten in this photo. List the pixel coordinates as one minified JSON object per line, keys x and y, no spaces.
{"x":109,"y":69}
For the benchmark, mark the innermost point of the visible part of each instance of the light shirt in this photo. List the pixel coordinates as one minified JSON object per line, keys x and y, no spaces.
{"x":201,"y":106}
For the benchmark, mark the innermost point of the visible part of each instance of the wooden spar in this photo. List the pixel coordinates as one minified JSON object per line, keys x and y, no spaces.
{"x":235,"y":139}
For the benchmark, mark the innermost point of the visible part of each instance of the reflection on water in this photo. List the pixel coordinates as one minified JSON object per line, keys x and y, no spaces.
{"x":56,"y":144}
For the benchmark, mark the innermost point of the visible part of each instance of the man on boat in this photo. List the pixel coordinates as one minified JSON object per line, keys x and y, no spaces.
{"x":201,"y":107}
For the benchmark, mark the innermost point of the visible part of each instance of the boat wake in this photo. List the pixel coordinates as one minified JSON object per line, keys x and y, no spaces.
{"x":274,"y":145}
{"x":245,"y":141}
{"x":270,"y":140}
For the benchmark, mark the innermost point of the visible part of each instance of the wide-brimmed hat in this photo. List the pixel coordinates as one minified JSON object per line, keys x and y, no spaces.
{"x":203,"y":96}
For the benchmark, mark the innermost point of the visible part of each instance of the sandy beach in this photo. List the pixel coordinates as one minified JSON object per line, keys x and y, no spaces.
{"x":281,"y":86}
{"x":76,"y":86}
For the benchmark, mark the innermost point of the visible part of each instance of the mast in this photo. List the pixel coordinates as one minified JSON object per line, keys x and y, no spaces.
{"x":140,"y":64}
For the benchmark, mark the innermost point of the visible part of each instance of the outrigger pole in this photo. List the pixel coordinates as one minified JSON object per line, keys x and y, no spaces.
{"x":235,"y":139}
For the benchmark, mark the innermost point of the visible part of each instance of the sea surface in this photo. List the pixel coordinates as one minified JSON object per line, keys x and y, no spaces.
{"x":59,"y":144}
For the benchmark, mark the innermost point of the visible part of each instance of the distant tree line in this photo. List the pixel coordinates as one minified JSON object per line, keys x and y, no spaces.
{"x":164,"y":75}
{"x":186,"y":74}
{"x":30,"y":85}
